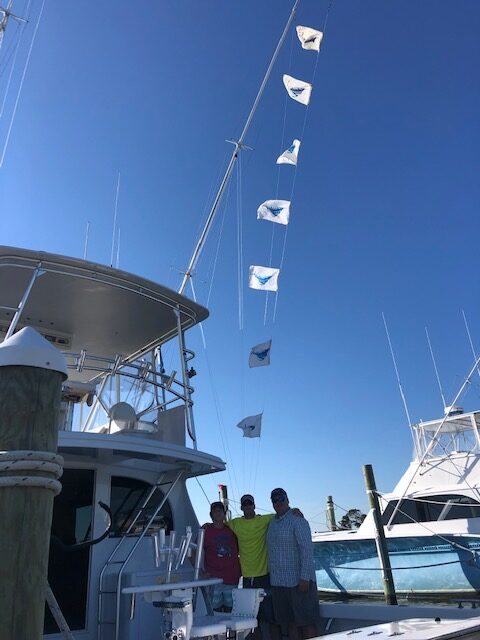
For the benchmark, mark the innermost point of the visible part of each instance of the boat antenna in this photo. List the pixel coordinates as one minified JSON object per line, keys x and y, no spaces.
{"x":404,"y":400}
{"x":115,"y":220}
{"x":85,"y":249}
{"x":118,"y":249}
{"x":436,"y":370}
{"x":470,"y":338}
{"x":238,"y":146}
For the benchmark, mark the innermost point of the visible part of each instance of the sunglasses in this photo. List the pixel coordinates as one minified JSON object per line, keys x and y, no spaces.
{"x":278,"y":499}
{"x":247,"y":503}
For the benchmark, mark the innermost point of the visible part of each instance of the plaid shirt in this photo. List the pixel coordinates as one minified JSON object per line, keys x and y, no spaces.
{"x":290,"y":550}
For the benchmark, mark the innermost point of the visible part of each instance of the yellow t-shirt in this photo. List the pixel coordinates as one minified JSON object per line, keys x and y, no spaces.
{"x":252,"y":543}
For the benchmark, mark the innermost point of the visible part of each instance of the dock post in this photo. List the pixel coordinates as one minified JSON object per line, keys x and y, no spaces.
{"x":31,"y":376}
{"x":387,"y":575}
{"x":332,"y":525}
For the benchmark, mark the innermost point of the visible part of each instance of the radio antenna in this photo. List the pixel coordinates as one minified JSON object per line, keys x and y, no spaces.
{"x":470,"y":338}
{"x":436,"y":370}
{"x":402,"y":394}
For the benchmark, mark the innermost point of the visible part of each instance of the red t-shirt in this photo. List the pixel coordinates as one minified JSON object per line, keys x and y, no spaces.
{"x":221,"y":554}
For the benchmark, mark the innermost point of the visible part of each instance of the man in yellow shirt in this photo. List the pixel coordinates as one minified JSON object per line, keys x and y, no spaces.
{"x":251,"y":532}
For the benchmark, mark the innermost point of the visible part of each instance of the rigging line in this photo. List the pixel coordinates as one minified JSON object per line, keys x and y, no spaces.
{"x":282,"y":259}
{"x":21,"y":84}
{"x":339,"y":507}
{"x":424,"y":526}
{"x":115,"y":219}
{"x":200,"y":324}
{"x":420,"y":566}
{"x":470,"y":338}
{"x":203,"y":490}
{"x":436,"y":370}
{"x":443,"y":504}
{"x":279,"y":167}
{"x":214,"y":183}
{"x":232,"y":480}
{"x":240,"y":245}
{"x":212,"y":277}
{"x":15,"y":50}
{"x":257,"y":465}
{"x":238,"y":147}
{"x":404,"y":400}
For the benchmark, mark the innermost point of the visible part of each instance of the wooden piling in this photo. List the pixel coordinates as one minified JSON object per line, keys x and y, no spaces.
{"x":29,"y":408}
{"x":331,"y":523}
{"x":387,"y":575}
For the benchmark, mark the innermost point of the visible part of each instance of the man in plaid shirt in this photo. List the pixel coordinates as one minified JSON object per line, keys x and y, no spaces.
{"x":292,"y":572}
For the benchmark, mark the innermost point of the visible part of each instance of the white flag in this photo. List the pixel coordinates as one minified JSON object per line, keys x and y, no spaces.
{"x":260,"y":355}
{"x":252,"y":426}
{"x":263,"y":278}
{"x":310,"y":38}
{"x":297,"y":89}
{"x":274,"y":211}
{"x":290,"y":155}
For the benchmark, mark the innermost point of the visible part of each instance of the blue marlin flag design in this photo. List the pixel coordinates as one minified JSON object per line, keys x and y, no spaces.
{"x":251,"y":426}
{"x":260,"y":354}
{"x":262,"y":280}
{"x":277,"y":211}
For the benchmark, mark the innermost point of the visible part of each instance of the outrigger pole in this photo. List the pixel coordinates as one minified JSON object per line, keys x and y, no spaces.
{"x":5,"y":15}
{"x":238,"y":146}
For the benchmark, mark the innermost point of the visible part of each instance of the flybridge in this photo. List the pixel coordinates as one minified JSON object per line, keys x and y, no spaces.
{"x":111,"y":326}
{"x":458,"y":432}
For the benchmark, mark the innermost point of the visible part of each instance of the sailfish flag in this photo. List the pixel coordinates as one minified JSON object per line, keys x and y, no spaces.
{"x":310,"y":38}
{"x":263,"y":278}
{"x":290,"y":155}
{"x":297,"y":89}
{"x":252,"y":426}
{"x":260,"y":355}
{"x":274,"y":211}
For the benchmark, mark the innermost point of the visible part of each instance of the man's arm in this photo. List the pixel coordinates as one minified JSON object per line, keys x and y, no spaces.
{"x":303,"y":537}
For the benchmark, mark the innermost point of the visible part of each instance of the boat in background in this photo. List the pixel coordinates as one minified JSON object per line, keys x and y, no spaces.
{"x":431,"y":521}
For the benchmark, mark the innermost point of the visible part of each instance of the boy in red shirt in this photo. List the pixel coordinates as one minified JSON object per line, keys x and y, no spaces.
{"x":221,"y":558}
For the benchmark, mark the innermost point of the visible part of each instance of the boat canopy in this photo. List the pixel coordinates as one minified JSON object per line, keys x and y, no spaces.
{"x":69,"y":297}
{"x":457,"y":433}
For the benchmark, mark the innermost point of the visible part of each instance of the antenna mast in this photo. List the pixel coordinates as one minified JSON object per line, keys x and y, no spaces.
{"x":436,"y":370}
{"x":238,"y":146}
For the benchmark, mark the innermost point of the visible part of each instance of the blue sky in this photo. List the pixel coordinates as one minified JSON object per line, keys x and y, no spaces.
{"x":385,"y":212}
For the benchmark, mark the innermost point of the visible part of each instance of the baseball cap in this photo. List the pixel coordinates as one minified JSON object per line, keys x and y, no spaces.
{"x":217,"y":505}
{"x":278,"y":493}
{"x":247,"y":497}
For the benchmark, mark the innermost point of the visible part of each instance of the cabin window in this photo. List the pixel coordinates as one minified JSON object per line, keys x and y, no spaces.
{"x":126,"y":499}
{"x":68,"y":568}
{"x":432,"y":508}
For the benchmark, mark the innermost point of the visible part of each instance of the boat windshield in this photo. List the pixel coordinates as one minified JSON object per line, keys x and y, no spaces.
{"x":432,"y":509}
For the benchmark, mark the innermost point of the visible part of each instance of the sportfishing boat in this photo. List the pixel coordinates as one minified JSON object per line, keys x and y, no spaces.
{"x":431,"y":521}
{"x":126,"y":434}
